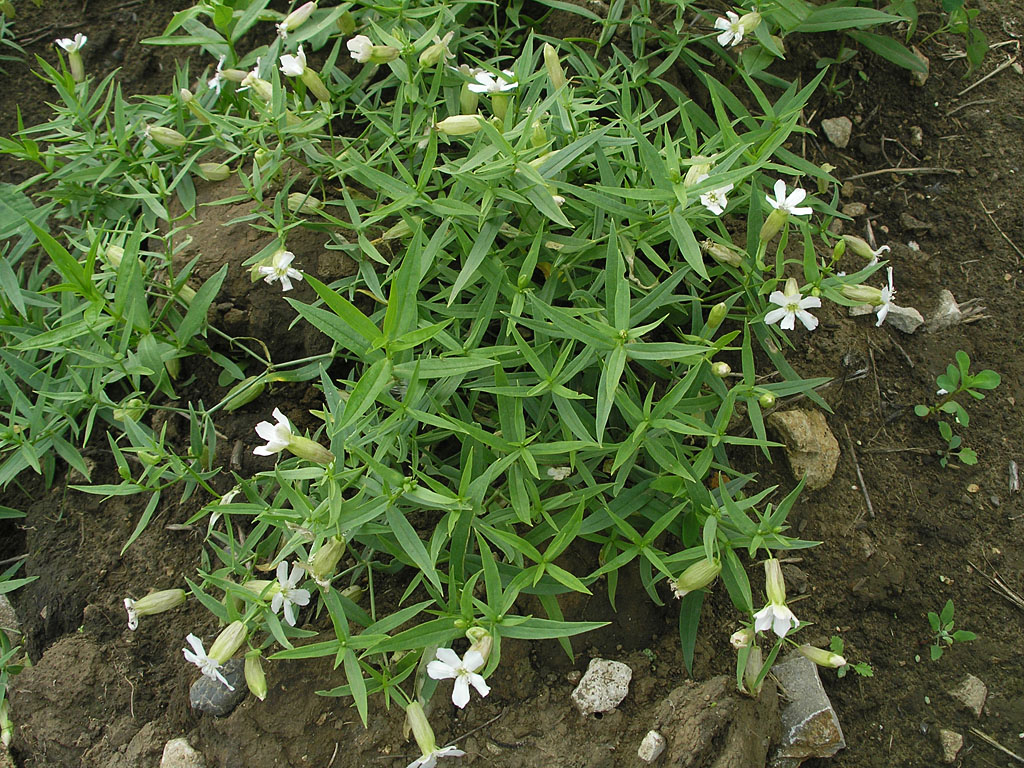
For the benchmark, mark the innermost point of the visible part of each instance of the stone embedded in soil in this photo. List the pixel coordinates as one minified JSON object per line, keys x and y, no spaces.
{"x":212,"y":697}
{"x":811,"y":448}
{"x":603,"y":686}
{"x":810,"y":727}
{"x":854,"y":209}
{"x":906,"y":319}
{"x":946,"y":315}
{"x":952,"y":742}
{"x":651,"y":747}
{"x":972,"y":694}
{"x":713,"y":726}
{"x":8,"y":617}
{"x":838,"y":130}
{"x":178,"y":753}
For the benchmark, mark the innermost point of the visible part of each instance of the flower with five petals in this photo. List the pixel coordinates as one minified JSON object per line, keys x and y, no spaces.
{"x":792,"y":306}
{"x":464,"y":671}
{"x":288,"y":595}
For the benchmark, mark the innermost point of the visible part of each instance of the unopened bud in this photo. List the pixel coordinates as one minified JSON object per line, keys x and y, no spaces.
{"x":742,"y":638}
{"x":767,"y":400}
{"x":697,"y":172}
{"x":258,"y":587}
{"x":774,"y":583}
{"x":697,"y":576}
{"x":133,"y":410}
{"x":228,"y":641}
{"x":773,"y":224}
{"x":186,"y":95}
{"x":347,"y":24}
{"x":354,"y":593}
{"x":234,"y":75}
{"x":723,"y":254}
{"x":749,"y":22}
{"x":113,"y":254}
{"x":863,"y":249}
{"x":324,"y":562}
{"x":538,"y":135}
{"x":173,"y":367}
{"x":302,"y":203}
{"x":315,"y":85}
{"x":481,"y":641}
{"x":215,"y":171}
{"x":554,"y":67}
{"x":720,"y":369}
{"x":167,"y":137}
{"x":401,"y":230}
{"x":468,"y":100}
{"x":153,"y":603}
{"x":254,"y":677}
{"x":717,"y":315}
{"x":755,"y":660}
{"x":421,"y":730}
{"x":822,"y":657}
{"x":295,"y":19}
{"x":460,"y":125}
{"x":244,"y":392}
{"x":262,"y":89}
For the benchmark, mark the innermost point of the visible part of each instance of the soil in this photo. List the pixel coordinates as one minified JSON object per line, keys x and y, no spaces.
{"x":100,"y":695}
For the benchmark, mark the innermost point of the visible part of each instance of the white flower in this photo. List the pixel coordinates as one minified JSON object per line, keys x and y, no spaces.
{"x":361,"y":48}
{"x":732,"y":29}
{"x":791,"y":306}
{"x":715,"y":200}
{"x":288,"y":595}
{"x":294,"y":66}
{"x":777,"y":617}
{"x":217,"y":81}
{"x":464,"y":671}
{"x":280,"y":269}
{"x":559,"y":473}
{"x":887,"y":296}
{"x":295,"y":19}
{"x":278,"y":436}
{"x":487,"y":83}
{"x":207,"y":666}
{"x":72,"y":46}
{"x":788,"y":204}
{"x":429,"y":761}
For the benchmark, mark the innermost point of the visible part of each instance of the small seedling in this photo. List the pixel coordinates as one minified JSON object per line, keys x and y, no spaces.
{"x":942,"y":625}
{"x":862,"y":668}
{"x":957,"y":379}
{"x":953,"y":447}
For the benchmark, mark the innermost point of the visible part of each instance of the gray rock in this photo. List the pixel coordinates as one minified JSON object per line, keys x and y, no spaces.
{"x":811,"y":448}
{"x":212,"y":697}
{"x":854,"y":209}
{"x":906,"y":319}
{"x":603,"y":686}
{"x":810,"y":727}
{"x":178,"y":753}
{"x":946,"y":315}
{"x":838,"y":130}
{"x":8,"y":617}
{"x":651,"y":747}
{"x":972,"y":694}
{"x":952,"y":742}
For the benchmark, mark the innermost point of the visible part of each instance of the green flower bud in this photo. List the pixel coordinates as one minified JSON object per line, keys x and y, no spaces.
{"x":742,"y":638}
{"x":554,"y":67}
{"x":254,"y":677}
{"x":295,"y":19}
{"x":258,"y":587}
{"x":499,"y":105}
{"x":244,"y":392}
{"x":173,"y":367}
{"x":468,"y":100}
{"x":315,"y":85}
{"x":436,"y":53}
{"x":167,"y":137}
{"x":698,"y":171}
{"x":354,"y":593}
{"x":822,"y":657}
{"x":862,"y":249}
{"x":234,"y":75}
{"x":723,"y":254}
{"x":151,"y":604}
{"x":749,"y":22}
{"x":697,"y":576}
{"x":401,"y":230}
{"x":302,"y":203}
{"x":228,"y":641}
{"x":755,"y":660}
{"x":421,"y":729}
{"x":720,"y":369}
{"x":767,"y":400}
{"x":324,"y":562}
{"x":347,"y":24}
{"x":460,"y":125}
{"x":538,"y":135}
{"x":133,"y":410}
{"x":717,"y":315}
{"x":113,"y":254}
{"x":215,"y":171}
{"x":261,"y":88}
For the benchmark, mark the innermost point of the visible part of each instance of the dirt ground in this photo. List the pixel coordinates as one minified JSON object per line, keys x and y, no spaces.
{"x":99,"y":695}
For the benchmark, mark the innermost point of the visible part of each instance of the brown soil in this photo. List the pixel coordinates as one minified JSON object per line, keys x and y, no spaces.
{"x":102,"y":696}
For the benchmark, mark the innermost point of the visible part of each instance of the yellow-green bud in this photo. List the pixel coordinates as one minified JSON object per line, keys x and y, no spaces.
{"x":767,"y":400}
{"x":460,"y":125}
{"x":254,"y":677}
{"x":113,"y":254}
{"x":167,"y":137}
{"x":215,"y":171}
{"x":244,"y":392}
{"x":755,"y":660}
{"x":6,"y":726}
{"x":468,"y":100}
{"x":263,"y":90}
{"x":258,"y":587}
{"x":774,"y":584}
{"x":554,"y":67}
{"x":499,"y":105}
{"x":347,"y":24}
{"x":173,"y":367}
{"x":749,"y":22}
{"x":354,"y":593}
{"x":720,"y":369}
{"x":437,"y":52}
{"x":133,"y":410}
{"x":822,"y":657}
{"x":863,"y":294}
{"x":303,"y":203}
{"x":310,"y":450}
{"x":862,"y":249}
{"x":723,"y":254}
{"x":773,"y":224}
{"x":538,"y":135}
{"x":261,"y":157}
{"x":228,"y":641}
{"x":401,"y":230}
{"x":717,"y":315}
{"x":234,"y":75}
{"x":324,"y":562}
{"x":153,"y":603}
{"x":742,"y":638}
{"x":697,"y":172}
{"x":697,"y":576}
{"x":315,"y":84}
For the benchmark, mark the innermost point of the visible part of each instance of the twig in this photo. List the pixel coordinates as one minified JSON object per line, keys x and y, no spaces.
{"x":333,"y":755}
{"x":966,"y":104}
{"x":993,"y":743}
{"x":999,"y":229}
{"x":1005,"y":65}
{"x":1014,"y":478}
{"x":923,"y":169}
{"x":1000,"y":587}
{"x":10,"y":560}
{"x":860,"y":477}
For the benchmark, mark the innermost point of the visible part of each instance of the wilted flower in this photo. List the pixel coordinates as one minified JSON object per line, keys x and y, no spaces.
{"x":280,"y":268}
{"x":288,"y":595}
{"x":865,"y":251}
{"x":216,"y":82}
{"x":715,"y":200}
{"x":741,"y":638}
{"x":792,"y":306}
{"x":254,"y":676}
{"x":464,"y":672}
{"x":488,"y":83}
{"x":776,"y":615}
{"x":209,"y":667}
{"x":153,"y":603}
{"x":438,"y":52}
{"x":295,"y":19}
{"x":425,"y":739}
{"x":262,"y":88}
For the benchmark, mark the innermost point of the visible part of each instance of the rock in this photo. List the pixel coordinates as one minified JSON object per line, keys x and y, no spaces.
{"x":909,"y":222}
{"x":952,"y":742}
{"x":946,"y":315}
{"x":603,"y":686}
{"x":810,"y":727}
{"x":8,"y":617}
{"x":212,"y":697}
{"x":854,"y":210}
{"x":651,"y":747}
{"x":916,"y":136}
{"x":838,"y":130}
{"x":711,"y":725}
{"x":178,"y":753}
{"x":906,"y":319}
{"x":972,"y":694}
{"x":920,"y":78}
{"x":811,"y":448}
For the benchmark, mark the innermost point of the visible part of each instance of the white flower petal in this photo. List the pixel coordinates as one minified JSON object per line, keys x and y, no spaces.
{"x":438,"y":670}
{"x":810,"y":321}
{"x":480,"y":684}
{"x":775,"y":315}
{"x":763,"y":619}
{"x":449,"y":657}
{"x":282,"y":569}
{"x":473,"y":660}
{"x":460,"y":693}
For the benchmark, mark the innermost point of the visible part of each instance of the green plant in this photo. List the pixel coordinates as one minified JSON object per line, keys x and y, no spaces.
{"x":942,"y":625}
{"x":862,"y":668}
{"x":12,"y":657}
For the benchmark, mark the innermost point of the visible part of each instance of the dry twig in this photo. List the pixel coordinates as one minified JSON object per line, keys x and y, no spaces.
{"x":1006,"y":237}
{"x":860,"y":476}
{"x":993,"y":743}
{"x":923,"y":169}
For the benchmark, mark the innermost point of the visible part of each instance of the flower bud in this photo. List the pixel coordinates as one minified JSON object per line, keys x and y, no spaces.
{"x":153,"y":603}
{"x":354,"y":593}
{"x":742,"y":638}
{"x":717,"y":315}
{"x":863,"y":294}
{"x":437,"y":52}
{"x":310,"y":450}
{"x":767,"y":400}
{"x":468,"y":100}
{"x":324,"y":562}
{"x":723,"y":254}
{"x":215,"y":171}
{"x":460,"y":125}
{"x":133,"y":410}
{"x":822,"y":657}
{"x":347,"y":24}
{"x":698,"y":171}
{"x":6,"y":726}
{"x":774,"y":584}
{"x":421,"y":729}
{"x":538,"y":135}
{"x":862,"y":249}
{"x":228,"y":641}
{"x":315,"y":85}
{"x":234,"y":75}
{"x":296,"y":19}
{"x":400,"y":230}
{"x":299,"y":202}
{"x":749,"y":22}
{"x":113,"y":254}
{"x":554,"y":67}
{"x":244,"y":392}
{"x":167,"y":137}
{"x":697,"y":576}
{"x":755,"y":660}
{"x":254,"y":676}
{"x":773,"y":224}
{"x":257,"y":587}
{"x":481,"y":641}
{"x":173,"y":367}
{"x":262,"y":89}
{"x":720,"y":369}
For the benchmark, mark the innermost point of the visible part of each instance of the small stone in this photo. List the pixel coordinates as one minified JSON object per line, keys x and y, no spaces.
{"x":8,"y":616}
{"x":912,"y":223}
{"x":811,"y":448}
{"x":952,"y":742}
{"x":838,"y":130}
{"x":212,"y":697}
{"x":906,"y":319}
{"x":178,"y":753}
{"x":651,"y":747}
{"x":946,"y":315}
{"x":972,"y":694}
{"x":853,"y":210}
{"x":603,"y":686}
{"x":916,"y":136}
{"x":810,"y":727}
{"x":920,"y":78}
